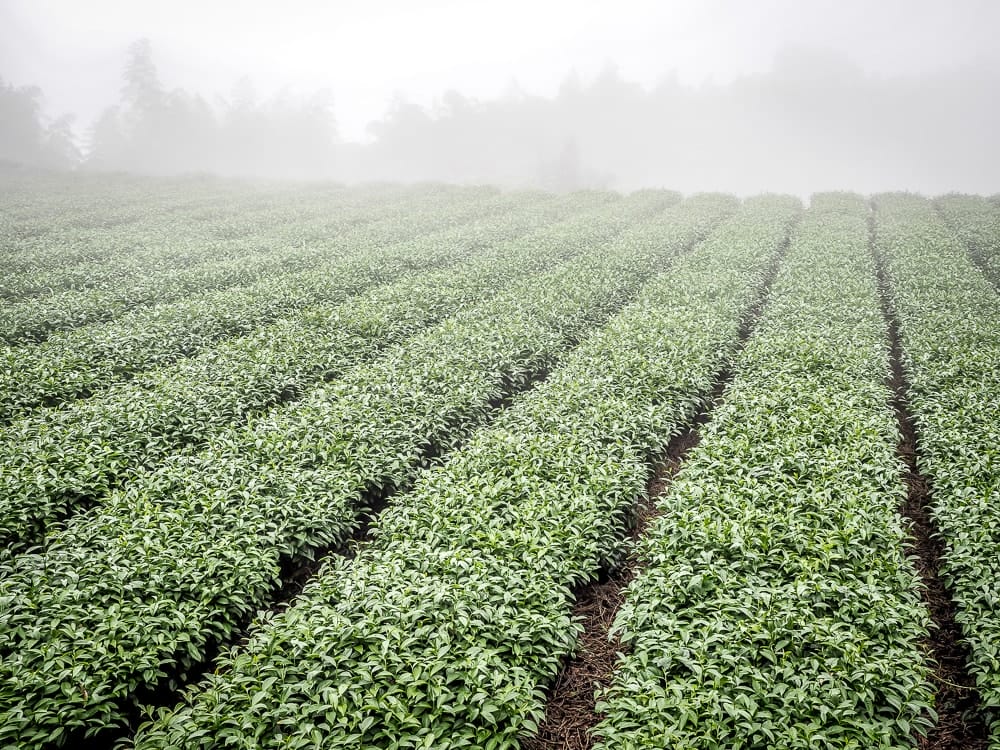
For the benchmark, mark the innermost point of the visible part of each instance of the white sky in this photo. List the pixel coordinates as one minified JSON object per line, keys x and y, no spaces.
{"x":365,"y":51}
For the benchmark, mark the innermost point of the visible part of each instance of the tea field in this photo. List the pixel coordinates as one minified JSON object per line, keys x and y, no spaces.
{"x":315,"y":466}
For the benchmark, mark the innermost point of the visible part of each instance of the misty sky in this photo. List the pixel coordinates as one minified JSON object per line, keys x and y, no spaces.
{"x":364,"y":51}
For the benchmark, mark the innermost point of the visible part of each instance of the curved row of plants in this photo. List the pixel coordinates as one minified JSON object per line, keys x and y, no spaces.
{"x":444,"y":630}
{"x":35,"y":210}
{"x":58,"y":460}
{"x":975,"y":220}
{"x":301,"y":245}
{"x":775,"y":605}
{"x":77,"y":363}
{"x":950,"y":329}
{"x":168,"y":236}
{"x":70,"y":256}
{"x":137,"y":590}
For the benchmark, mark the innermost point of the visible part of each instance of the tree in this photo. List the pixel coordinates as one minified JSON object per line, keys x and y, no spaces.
{"x":25,"y":138}
{"x":142,"y":91}
{"x":564,"y":172}
{"x":107,"y":142}
{"x":60,"y":143}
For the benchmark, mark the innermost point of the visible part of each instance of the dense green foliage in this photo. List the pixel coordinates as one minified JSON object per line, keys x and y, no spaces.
{"x":949,"y":320}
{"x":60,"y":459}
{"x":444,"y":631}
{"x":775,"y":606}
{"x":200,"y":540}
{"x":161,"y":275}
{"x":456,"y":397}
{"x":976,"y":223}
{"x":80,"y":361}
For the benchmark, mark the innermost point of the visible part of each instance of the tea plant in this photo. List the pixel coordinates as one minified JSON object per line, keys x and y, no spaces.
{"x":950,"y":329}
{"x":976,"y":223}
{"x":445,"y":629}
{"x":220,"y":264}
{"x":187,"y":553}
{"x":62,"y":459}
{"x":774,"y":604}
{"x":84,"y":360}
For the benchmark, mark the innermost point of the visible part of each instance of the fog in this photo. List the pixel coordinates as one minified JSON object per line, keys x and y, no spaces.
{"x":778,"y":95}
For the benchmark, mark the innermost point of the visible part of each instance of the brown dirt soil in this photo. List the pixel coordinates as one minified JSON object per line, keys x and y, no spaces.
{"x":960,"y":725}
{"x":570,"y":715}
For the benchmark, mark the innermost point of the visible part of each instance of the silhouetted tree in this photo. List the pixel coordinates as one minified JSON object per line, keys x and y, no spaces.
{"x":815,"y":121}
{"x":142,"y":92}
{"x":108,"y":148}
{"x":564,"y":172}
{"x":60,"y":143}
{"x":25,"y":138}
{"x":172,"y":131}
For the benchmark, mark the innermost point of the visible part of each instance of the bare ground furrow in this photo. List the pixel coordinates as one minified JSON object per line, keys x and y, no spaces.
{"x":570,"y":715}
{"x":960,"y":724}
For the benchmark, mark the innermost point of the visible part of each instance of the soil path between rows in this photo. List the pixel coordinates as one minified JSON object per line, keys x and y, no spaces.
{"x":570,"y":713}
{"x":960,"y":724}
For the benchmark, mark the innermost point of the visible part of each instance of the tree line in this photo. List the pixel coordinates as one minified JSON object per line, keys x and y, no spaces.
{"x":814,"y":121}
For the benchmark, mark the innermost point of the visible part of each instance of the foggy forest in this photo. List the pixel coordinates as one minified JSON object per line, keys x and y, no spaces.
{"x":814,"y":121}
